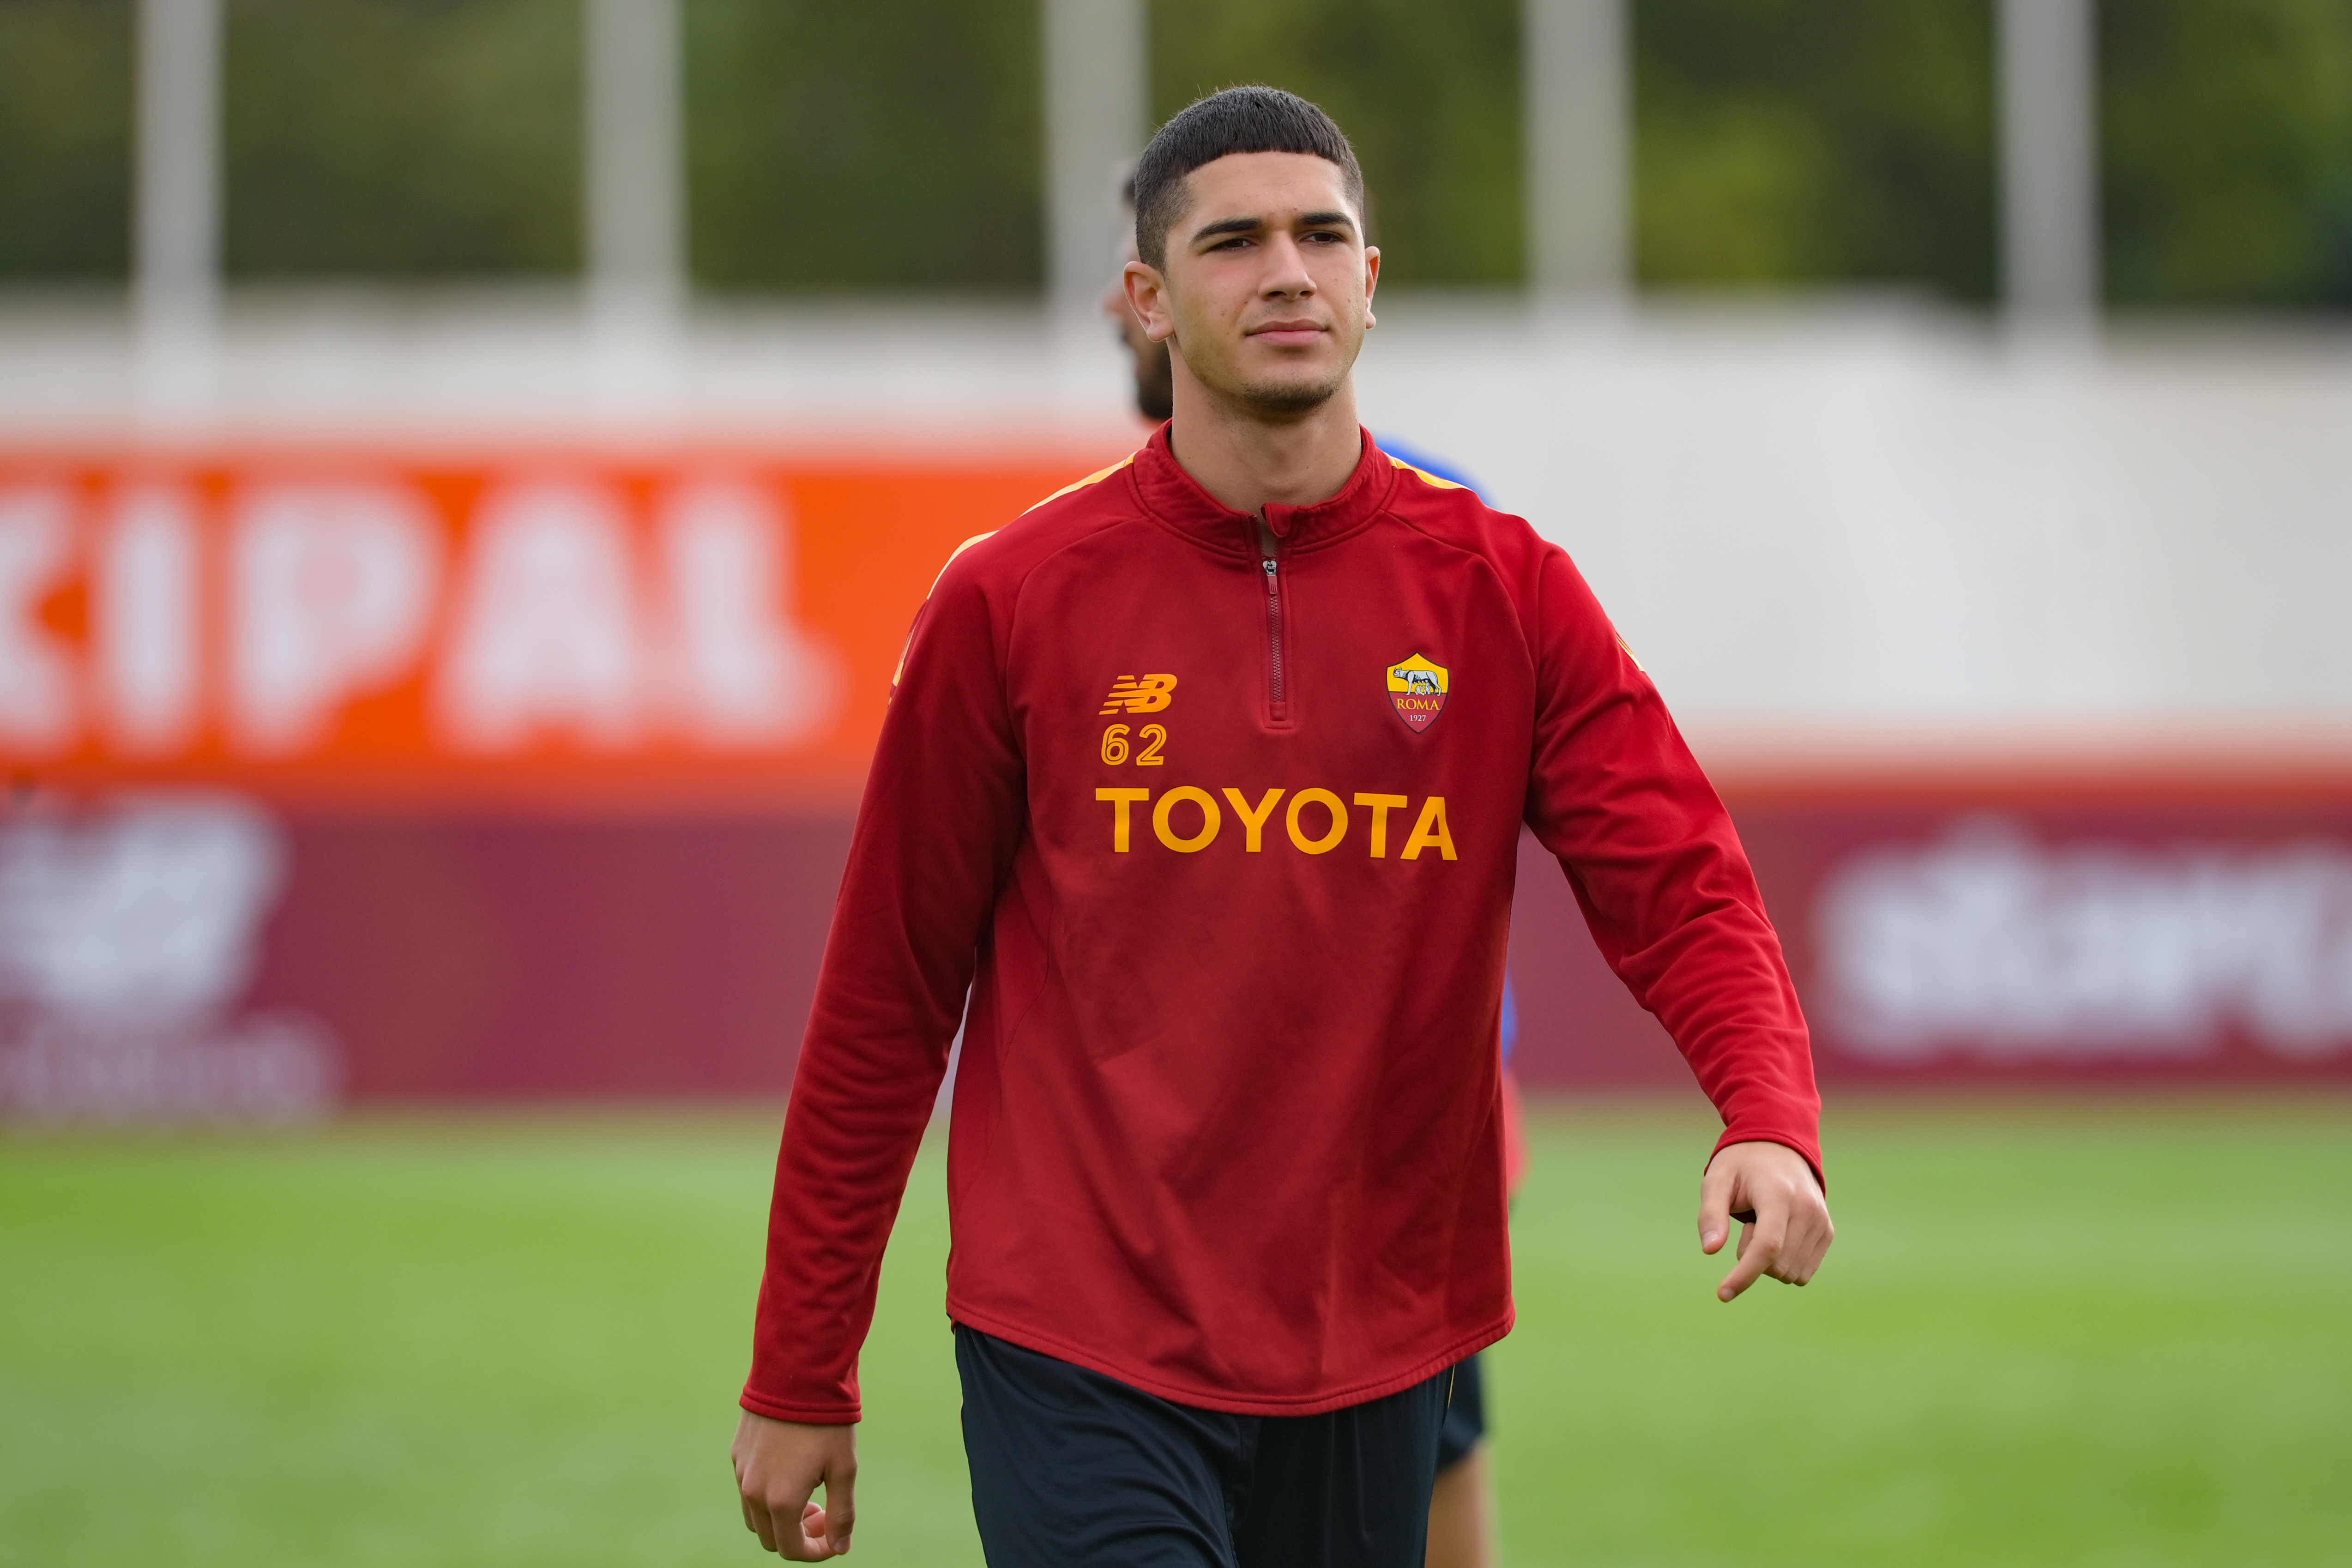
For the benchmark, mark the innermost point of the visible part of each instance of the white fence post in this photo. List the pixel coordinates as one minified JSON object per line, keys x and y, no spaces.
{"x":175,"y":289}
{"x":1579,"y":102}
{"x":1097,"y":102}
{"x":2050,"y":161}
{"x":636,"y":215}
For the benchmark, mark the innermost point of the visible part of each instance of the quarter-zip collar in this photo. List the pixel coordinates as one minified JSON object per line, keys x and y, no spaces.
{"x":1176,"y":499}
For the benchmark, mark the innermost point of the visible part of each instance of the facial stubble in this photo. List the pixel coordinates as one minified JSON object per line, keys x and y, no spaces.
{"x":1272,"y":400}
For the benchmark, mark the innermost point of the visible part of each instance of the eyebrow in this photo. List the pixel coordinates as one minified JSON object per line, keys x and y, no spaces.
{"x":1334,"y":219}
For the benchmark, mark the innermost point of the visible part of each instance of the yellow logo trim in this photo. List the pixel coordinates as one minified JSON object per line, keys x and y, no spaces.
{"x":1148,"y":695}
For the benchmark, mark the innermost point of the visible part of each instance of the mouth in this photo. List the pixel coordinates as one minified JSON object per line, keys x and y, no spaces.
{"x":1288,"y":334}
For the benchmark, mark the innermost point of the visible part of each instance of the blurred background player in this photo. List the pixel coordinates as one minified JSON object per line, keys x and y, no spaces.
{"x":1155,"y":385}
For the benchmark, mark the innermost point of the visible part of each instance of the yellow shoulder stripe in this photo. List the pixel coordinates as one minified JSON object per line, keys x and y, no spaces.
{"x":1095,"y":478}
{"x":1098,"y":475}
{"x":909,"y":645}
{"x":1426,"y":475}
{"x":975,"y":538}
{"x":950,"y":561}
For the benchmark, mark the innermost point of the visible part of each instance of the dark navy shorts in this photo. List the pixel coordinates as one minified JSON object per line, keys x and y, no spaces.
{"x":1466,"y":1417}
{"x":1069,"y":1466}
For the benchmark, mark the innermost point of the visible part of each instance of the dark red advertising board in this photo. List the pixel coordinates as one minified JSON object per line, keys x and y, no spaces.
{"x":2042,"y":930}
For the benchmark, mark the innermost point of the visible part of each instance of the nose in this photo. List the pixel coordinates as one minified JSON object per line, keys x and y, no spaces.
{"x":1285,"y":269}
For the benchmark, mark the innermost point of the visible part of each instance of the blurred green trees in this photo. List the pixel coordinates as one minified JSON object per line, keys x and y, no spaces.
{"x":401,"y":138}
{"x":887,"y":143}
{"x":2228,"y":150}
{"x":65,"y":138}
{"x":1814,"y":141}
{"x":894,"y":144}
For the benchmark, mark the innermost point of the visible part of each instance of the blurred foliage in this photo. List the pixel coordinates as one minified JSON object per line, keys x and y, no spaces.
{"x":1810,"y":141}
{"x":895,"y":144}
{"x":1429,"y":94}
{"x":402,"y":138}
{"x":65,"y":138}
{"x":891,"y":144}
{"x":2228,"y":150}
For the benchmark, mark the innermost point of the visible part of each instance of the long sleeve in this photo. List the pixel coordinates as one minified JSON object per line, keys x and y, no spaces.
{"x":1659,"y":871}
{"x":942,"y":815}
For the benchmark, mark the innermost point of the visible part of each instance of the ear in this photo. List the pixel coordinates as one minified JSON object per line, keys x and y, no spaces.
{"x":1146,"y":296}
{"x":1372,"y":281}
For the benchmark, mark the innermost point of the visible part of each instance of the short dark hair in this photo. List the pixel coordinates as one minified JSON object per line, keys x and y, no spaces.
{"x":1252,"y":119}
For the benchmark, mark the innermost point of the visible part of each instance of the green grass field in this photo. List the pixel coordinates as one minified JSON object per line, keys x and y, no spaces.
{"x":2069,"y":1334}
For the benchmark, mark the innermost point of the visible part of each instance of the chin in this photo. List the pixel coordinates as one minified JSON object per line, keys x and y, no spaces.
{"x":1280,"y":398}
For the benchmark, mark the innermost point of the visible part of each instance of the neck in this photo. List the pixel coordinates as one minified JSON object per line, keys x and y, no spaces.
{"x":1247,"y":462}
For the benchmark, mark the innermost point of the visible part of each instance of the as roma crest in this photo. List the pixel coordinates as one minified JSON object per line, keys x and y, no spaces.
{"x":1418,"y":689}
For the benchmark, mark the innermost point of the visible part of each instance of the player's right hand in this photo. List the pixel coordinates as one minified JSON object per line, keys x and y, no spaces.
{"x":779,"y":1465}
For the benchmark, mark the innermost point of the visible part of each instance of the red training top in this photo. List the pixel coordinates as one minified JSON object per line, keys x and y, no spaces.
{"x":1217,"y":820}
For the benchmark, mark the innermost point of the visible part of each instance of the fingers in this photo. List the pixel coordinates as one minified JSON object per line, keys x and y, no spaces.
{"x":840,"y":1503}
{"x":1714,"y":1192}
{"x":812,"y":1546}
{"x":1760,"y":1249}
{"x":805,"y":1539}
{"x":756,"y":1516}
{"x":1810,"y":1235}
{"x":822,"y":1531}
{"x":771,"y":1524}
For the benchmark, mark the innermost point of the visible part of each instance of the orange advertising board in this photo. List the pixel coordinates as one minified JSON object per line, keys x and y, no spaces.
{"x":541,"y":626}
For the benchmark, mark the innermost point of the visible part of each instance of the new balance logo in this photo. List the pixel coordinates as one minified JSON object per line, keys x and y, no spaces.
{"x":1148,"y":695}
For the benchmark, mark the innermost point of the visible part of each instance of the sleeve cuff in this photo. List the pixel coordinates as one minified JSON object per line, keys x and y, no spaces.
{"x":809,"y":1415}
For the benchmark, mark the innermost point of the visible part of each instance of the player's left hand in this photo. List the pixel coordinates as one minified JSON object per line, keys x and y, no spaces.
{"x":1787,"y":1227}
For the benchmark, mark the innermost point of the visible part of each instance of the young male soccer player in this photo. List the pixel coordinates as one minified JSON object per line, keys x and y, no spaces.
{"x":1205,"y":776}
{"x":1462,"y":1499}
